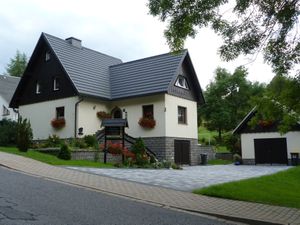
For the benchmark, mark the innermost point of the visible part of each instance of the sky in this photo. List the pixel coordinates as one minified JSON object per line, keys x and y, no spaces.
{"x":123,"y":29}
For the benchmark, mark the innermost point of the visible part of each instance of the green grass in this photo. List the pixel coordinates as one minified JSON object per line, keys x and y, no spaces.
{"x":280,"y":189}
{"x":53,"y":160}
{"x":219,"y":162}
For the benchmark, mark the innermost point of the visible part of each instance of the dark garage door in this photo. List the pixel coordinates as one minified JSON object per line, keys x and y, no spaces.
{"x":182,"y":152}
{"x":271,"y":151}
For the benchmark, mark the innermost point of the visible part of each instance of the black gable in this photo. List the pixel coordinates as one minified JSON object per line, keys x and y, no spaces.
{"x":42,"y":71}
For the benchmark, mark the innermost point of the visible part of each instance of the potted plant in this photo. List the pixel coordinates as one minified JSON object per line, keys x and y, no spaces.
{"x":58,"y":123}
{"x":103,"y":115}
{"x":147,"y":122}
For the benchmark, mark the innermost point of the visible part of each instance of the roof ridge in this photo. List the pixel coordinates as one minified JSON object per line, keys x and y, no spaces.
{"x":83,"y":47}
{"x":136,"y":60}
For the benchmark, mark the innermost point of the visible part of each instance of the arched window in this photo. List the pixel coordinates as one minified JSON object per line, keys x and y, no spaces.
{"x":116,"y":113}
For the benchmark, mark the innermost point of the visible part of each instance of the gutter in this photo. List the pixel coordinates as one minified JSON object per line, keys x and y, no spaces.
{"x":76,"y":106}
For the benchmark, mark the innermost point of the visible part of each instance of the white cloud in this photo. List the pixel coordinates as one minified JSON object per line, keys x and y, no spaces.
{"x":123,"y":29}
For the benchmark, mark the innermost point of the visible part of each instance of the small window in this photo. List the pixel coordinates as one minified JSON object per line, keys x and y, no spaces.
{"x":37,"y":88}
{"x":182,"y":82}
{"x":60,"y":112}
{"x":148,"y":111}
{"x":56,"y":84}
{"x":5,"y":111}
{"x":47,"y":56}
{"x":182,"y":115}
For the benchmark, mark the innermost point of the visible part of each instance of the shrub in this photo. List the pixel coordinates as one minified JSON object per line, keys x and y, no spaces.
{"x":175,"y":166}
{"x":65,"y":152}
{"x":53,"y":141}
{"x":232,"y":142}
{"x":138,"y":148}
{"x":78,"y":143}
{"x":90,"y":140}
{"x":166,"y":164}
{"x":24,"y":134}
{"x":8,"y":132}
{"x":237,"y":158}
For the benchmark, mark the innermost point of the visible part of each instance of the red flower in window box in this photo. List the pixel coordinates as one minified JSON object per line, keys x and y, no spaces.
{"x":147,"y":122}
{"x":58,"y":123}
{"x":103,"y":115}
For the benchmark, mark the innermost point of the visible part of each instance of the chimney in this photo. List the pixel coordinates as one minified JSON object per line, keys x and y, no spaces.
{"x":74,"y":41}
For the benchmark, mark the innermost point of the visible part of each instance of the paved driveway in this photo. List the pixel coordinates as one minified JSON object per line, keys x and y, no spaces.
{"x":190,"y":178}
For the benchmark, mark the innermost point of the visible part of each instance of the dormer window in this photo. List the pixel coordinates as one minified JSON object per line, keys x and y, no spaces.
{"x":47,"y":56}
{"x":56,"y":84}
{"x":38,"y":88}
{"x":182,"y":82}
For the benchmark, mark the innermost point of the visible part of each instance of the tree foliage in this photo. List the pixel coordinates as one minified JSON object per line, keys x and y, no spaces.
{"x":228,"y":99}
{"x":24,"y":135}
{"x":253,"y":26}
{"x":281,"y":102}
{"x":17,"y":65}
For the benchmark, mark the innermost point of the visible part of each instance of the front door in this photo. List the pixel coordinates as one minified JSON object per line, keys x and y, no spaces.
{"x":116,"y":113}
{"x":182,"y":151}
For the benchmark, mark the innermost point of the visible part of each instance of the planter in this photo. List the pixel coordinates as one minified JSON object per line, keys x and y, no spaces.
{"x":58,"y":123}
{"x":147,"y":122}
{"x":103,"y":115}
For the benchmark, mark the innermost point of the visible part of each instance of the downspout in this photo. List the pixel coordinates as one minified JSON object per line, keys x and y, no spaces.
{"x":76,"y":106}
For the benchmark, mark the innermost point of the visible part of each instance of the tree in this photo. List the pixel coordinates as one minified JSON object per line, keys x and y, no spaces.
{"x":228,"y":99}
{"x":17,"y":65}
{"x":281,"y":102}
{"x":24,"y":134}
{"x":254,"y":26}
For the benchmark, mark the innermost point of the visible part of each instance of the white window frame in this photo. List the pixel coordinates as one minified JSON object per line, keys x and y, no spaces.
{"x":55,"y":84}
{"x":184,"y":84}
{"x":47,"y":56}
{"x":38,"y":88}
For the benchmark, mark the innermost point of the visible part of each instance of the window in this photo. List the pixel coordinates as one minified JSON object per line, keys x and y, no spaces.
{"x":148,"y":111}
{"x":5,"y":111}
{"x":60,"y":112}
{"x":38,"y":88}
{"x":47,"y":56}
{"x":182,"y":115}
{"x":56,"y":84}
{"x":182,"y":82}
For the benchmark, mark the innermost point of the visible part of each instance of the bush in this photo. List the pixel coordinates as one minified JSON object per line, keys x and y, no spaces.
{"x":78,"y":143}
{"x":175,"y":166}
{"x":53,"y":141}
{"x":8,"y":132}
{"x":232,"y":143}
{"x":65,"y":152}
{"x":90,"y":141}
{"x":24,"y":135}
{"x":138,"y":148}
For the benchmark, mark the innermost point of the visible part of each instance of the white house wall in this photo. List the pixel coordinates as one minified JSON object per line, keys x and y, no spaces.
{"x":12,"y":115}
{"x":87,"y":115}
{"x":41,"y":114}
{"x":134,"y":110}
{"x":173,"y":128}
{"x":247,"y":139}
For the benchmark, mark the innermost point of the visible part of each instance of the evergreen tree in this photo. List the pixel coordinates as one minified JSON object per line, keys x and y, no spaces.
{"x":17,"y":65}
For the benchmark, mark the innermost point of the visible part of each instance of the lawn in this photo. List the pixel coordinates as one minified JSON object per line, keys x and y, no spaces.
{"x":277,"y":189}
{"x":53,"y":160}
{"x":219,"y":162}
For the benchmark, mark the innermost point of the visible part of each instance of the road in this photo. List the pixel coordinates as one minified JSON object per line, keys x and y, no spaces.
{"x":27,"y":200}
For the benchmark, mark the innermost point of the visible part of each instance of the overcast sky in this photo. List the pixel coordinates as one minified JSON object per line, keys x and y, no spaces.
{"x":119,"y":28}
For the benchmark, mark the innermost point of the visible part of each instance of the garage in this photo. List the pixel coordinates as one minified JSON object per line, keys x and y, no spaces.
{"x":270,"y":151}
{"x":182,"y":152}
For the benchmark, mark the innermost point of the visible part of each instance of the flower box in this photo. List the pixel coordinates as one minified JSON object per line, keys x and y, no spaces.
{"x":58,"y":123}
{"x":147,"y":122}
{"x":103,"y":115}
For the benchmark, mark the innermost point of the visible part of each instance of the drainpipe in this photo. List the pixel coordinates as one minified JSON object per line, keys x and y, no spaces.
{"x":76,"y":105}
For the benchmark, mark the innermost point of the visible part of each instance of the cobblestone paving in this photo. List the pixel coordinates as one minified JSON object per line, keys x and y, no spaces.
{"x":189,"y":178}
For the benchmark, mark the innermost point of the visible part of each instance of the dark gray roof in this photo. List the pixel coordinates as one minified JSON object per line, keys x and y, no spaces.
{"x":88,"y":69}
{"x":8,"y":85}
{"x":144,"y":76}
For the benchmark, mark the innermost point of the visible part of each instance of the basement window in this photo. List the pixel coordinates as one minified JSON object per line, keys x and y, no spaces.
{"x":182,"y":82}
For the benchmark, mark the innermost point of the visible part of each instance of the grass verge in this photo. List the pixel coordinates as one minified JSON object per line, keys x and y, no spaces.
{"x":280,"y":189}
{"x":53,"y":160}
{"x":219,"y":162}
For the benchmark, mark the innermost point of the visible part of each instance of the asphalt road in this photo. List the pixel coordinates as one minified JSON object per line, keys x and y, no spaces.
{"x":27,"y":200}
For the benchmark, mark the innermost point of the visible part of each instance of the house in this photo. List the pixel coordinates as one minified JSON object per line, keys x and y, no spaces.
{"x":263,"y":144}
{"x":67,"y":82}
{"x":8,"y":85}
